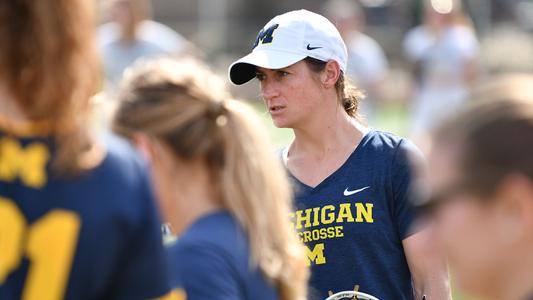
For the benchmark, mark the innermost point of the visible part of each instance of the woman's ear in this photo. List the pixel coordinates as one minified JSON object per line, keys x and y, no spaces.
{"x":331,"y":74}
{"x":143,"y":143}
{"x":516,"y":205}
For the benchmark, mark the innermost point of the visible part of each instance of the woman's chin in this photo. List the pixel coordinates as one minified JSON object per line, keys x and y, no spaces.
{"x":281,"y":123}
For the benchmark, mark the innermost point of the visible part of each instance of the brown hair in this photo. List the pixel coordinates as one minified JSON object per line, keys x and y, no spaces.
{"x":348,"y":95}
{"x":183,"y":105}
{"x":495,"y":134}
{"x":49,"y":66}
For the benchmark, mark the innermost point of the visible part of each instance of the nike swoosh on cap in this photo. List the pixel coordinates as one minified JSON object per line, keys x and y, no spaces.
{"x":349,"y":193}
{"x":311,"y":48}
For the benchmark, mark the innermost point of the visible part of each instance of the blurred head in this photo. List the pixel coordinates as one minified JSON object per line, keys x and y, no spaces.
{"x":443,"y":13}
{"x":481,"y":167}
{"x":128,"y":14}
{"x":186,"y":110}
{"x":48,"y":65}
{"x":347,"y":15}
{"x":300,"y":59}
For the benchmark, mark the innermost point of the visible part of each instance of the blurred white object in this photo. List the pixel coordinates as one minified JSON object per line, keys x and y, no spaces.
{"x":351,"y":295}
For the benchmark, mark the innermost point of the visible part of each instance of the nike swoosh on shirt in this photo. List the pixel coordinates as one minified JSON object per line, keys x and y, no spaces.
{"x":349,"y":193}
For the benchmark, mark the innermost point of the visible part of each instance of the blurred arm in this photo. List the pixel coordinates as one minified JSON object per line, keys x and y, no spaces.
{"x":428,"y":267}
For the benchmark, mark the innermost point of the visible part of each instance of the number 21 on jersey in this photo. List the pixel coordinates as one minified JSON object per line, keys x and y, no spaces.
{"x":49,"y":244}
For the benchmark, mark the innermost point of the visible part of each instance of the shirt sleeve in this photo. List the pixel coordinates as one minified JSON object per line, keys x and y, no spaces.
{"x":467,"y":43}
{"x":143,"y":273}
{"x":377,"y":61}
{"x":407,"y":160}
{"x":207,"y":274}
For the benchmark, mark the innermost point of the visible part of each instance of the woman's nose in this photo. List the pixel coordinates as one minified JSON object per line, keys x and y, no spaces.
{"x":269,"y":89}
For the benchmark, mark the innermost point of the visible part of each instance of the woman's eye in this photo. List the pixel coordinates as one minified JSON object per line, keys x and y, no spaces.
{"x":282,"y":73}
{"x":260,"y":77}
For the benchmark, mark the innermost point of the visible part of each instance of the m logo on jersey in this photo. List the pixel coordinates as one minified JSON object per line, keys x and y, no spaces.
{"x":265,"y":35}
{"x":27,"y":163}
{"x":316,"y":255}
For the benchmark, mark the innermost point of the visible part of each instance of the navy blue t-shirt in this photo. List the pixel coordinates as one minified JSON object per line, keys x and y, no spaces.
{"x":93,"y":236}
{"x":354,"y":221}
{"x":211,"y":261}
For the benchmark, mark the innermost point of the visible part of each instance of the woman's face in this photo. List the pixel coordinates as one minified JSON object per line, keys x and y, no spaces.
{"x":468,"y":228}
{"x":292,"y":94}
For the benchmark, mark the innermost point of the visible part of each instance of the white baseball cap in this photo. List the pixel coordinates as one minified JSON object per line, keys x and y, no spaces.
{"x":287,"y":39}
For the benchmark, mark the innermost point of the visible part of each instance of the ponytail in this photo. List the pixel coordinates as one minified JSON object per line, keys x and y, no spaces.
{"x":349,"y":96}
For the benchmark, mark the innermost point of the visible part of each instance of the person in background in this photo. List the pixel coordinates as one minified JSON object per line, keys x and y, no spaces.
{"x":443,"y":53}
{"x":221,"y":188}
{"x":77,"y":216}
{"x":130,"y":34}
{"x":367,"y":63}
{"x":353,"y":209}
{"x":481,"y":200}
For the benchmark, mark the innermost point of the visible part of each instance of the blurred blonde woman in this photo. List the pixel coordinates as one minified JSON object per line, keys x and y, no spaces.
{"x":219,"y":184}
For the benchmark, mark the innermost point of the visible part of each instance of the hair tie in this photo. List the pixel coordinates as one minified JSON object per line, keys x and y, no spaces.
{"x":217,"y":112}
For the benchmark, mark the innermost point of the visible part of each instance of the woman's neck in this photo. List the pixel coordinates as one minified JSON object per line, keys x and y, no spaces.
{"x":326,"y":133}
{"x":518,"y":282}
{"x":197,"y":198}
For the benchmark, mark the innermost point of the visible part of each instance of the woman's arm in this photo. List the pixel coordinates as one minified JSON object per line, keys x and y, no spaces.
{"x":428,"y":267}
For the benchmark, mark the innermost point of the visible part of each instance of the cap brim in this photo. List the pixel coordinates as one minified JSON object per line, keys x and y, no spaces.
{"x":243,"y":70}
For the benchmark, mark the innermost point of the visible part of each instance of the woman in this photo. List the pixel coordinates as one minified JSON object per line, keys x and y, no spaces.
{"x":482,"y":183}
{"x":219,"y":184}
{"x":77,"y":218}
{"x":443,"y":51}
{"x":353,"y":212}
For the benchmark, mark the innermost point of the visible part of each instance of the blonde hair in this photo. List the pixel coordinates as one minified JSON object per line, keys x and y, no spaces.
{"x":48,"y":62}
{"x":185,"y":106}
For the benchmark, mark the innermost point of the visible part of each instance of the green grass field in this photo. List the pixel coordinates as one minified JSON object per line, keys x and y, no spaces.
{"x":392,"y":118}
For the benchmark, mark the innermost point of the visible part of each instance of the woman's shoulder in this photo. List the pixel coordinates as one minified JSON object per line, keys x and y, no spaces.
{"x":212,"y":258}
{"x":384,"y":140}
{"x":215,"y":243}
{"x":389,"y":144}
{"x":121,"y":156}
{"x":218,"y":230}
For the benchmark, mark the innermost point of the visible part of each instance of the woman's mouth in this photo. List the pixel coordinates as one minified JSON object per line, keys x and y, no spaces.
{"x":276,"y":109}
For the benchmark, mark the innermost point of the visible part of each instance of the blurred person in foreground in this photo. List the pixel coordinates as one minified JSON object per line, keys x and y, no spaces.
{"x":367,"y":63}
{"x":77,"y":217}
{"x":130,"y":34}
{"x":481,"y":167}
{"x":443,"y":52}
{"x":218,"y":181}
